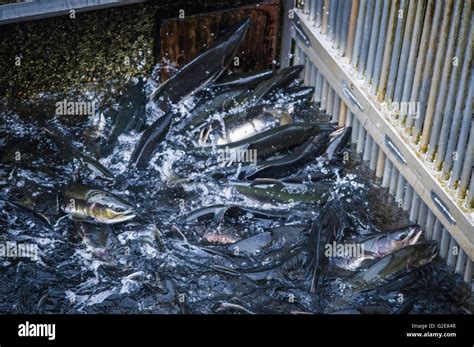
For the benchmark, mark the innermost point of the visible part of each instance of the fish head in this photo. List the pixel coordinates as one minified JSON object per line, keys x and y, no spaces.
{"x":407,"y":236}
{"x":108,"y":215}
{"x":423,"y":254}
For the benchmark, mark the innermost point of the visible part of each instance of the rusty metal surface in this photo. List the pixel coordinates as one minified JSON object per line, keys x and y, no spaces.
{"x":183,"y":39}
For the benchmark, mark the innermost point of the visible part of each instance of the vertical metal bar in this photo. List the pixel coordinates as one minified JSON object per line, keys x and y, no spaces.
{"x":349,"y":118}
{"x":459,"y":127}
{"x":433,"y":93}
{"x":454,"y":33}
{"x":429,"y":226}
{"x":332,"y":19}
{"x":457,"y":76}
{"x":285,"y":49}
{"x":380,"y":164}
{"x":367,"y":147}
{"x":338,"y":24}
{"x":422,"y":214}
{"x":307,"y":69}
{"x":387,"y":55}
{"x":336,"y":108}
{"x":444,"y":244}
{"x":301,"y":61}
{"x":379,"y":51}
{"x":346,"y":14}
{"x":324,"y":93}
{"x":420,"y":62}
{"x":412,"y":56}
{"x":305,"y":6}
{"x":437,"y":230}
{"x":460,"y":152}
{"x":396,"y":49}
{"x":405,"y":52}
{"x":470,"y":193}
{"x":312,"y":10}
{"x":360,"y":139}
{"x":359,"y":32}
{"x":453,"y":250}
{"x":352,"y":28}
{"x":355,"y":128}
{"x":296,"y":55}
{"x":409,"y":201}
{"x":461,"y":262}
{"x":393,"y":182}
{"x":427,"y":71}
{"x":468,"y":272}
{"x":387,"y":173}
{"x":319,"y":87}
{"x":319,"y":13}
{"x":400,"y":189}
{"x":415,"y":206}
{"x":467,"y":168}
{"x":312,"y":77}
{"x":324,"y":20}
{"x":364,"y":49}
{"x":342,"y":114}
{"x":373,"y":41}
{"x":329,"y":100}
{"x":373,"y":156}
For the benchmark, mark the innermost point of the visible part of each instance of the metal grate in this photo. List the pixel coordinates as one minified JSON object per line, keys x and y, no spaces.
{"x":400,"y":73}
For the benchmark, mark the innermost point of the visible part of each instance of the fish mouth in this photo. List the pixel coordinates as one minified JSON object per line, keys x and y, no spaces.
{"x":121,"y":217}
{"x":337,"y":132}
{"x":410,"y":237}
{"x":431,"y":253}
{"x":413,"y":235}
{"x":427,"y":255}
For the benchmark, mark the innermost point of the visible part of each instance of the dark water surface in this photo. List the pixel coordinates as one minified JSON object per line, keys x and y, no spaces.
{"x":159,"y":262}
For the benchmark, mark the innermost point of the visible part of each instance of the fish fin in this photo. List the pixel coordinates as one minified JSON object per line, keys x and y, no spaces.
{"x":219,"y":215}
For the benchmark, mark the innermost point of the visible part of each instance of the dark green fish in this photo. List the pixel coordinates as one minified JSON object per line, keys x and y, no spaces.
{"x":93,"y":205}
{"x":203,"y":69}
{"x":378,"y":246}
{"x":252,"y":245}
{"x":41,"y":218}
{"x":96,"y":195}
{"x":204,"y":111}
{"x":129,"y":116}
{"x":295,"y":95}
{"x":338,"y":141}
{"x":247,"y":80}
{"x":150,"y":139}
{"x":298,"y":158}
{"x":96,"y":235}
{"x":271,"y":141}
{"x":69,"y":151}
{"x":255,"y":120}
{"x":401,"y":261}
{"x":281,"y":78}
{"x":218,"y":212}
{"x":284,"y":137}
{"x":274,"y":191}
{"x":272,"y":240}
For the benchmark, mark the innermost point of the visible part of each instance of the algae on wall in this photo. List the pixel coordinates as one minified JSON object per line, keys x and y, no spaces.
{"x":61,"y":54}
